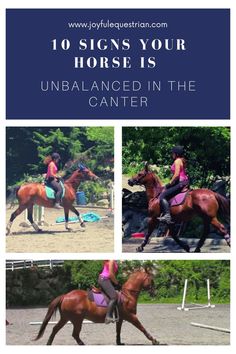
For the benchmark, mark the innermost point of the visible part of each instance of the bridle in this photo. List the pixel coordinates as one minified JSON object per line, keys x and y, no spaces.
{"x":137,"y":181}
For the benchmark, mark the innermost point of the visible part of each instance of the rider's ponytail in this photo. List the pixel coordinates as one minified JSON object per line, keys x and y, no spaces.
{"x":47,"y":160}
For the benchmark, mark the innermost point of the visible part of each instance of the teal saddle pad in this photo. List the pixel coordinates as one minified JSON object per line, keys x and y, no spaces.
{"x":50,"y":193}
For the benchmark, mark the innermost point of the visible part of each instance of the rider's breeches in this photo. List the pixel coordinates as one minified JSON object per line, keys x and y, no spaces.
{"x":107,"y":287}
{"x":58,"y":189}
{"x":172,"y":191}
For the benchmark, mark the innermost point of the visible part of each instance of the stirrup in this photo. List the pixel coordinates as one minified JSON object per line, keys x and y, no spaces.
{"x":165,"y":219}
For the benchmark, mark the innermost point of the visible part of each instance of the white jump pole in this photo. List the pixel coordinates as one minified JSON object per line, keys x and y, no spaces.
{"x":226,"y":330}
{"x":112,"y":197}
{"x":184,"y":295}
{"x":197,"y":306}
{"x":38,"y":323}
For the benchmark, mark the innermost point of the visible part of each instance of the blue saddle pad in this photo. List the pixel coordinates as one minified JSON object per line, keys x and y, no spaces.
{"x":50,"y":193}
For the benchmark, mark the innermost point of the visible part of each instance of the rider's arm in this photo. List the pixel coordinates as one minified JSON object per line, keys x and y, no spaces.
{"x":111,"y":272}
{"x":178,"y":164}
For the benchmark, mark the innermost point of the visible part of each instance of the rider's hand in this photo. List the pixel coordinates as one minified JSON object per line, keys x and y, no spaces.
{"x":118,"y":286}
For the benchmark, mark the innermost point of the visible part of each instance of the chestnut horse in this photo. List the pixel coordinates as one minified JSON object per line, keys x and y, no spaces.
{"x":202,"y":202}
{"x":34,"y":193}
{"x":75,"y":307}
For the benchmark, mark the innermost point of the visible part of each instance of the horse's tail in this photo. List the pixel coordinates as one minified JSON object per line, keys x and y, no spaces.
{"x":224,"y":207}
{"x":12,"y":194}
{"x":51,"y":310}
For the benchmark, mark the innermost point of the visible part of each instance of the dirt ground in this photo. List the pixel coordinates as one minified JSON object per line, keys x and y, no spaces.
{"x":163,"y":321}
{"x":95,"y":237}
{"x":167,"y":244}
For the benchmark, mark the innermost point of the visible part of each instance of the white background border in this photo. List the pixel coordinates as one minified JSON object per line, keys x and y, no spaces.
{"x":117,"y":4}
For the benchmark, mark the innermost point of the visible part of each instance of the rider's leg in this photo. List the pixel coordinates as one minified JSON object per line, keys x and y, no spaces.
{"x":164,"y":204}
{"x":165,"y":208}
{"x":109,"y":290}
{"x":58,"y":190}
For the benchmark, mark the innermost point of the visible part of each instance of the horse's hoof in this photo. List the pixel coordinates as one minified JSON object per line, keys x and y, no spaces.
{"x":39,"y":230}
{"x":82,"y":224}
{"x":139,"y":249}
{"x":120,"y":343}
{"x":197,"y":250}
{"x":155,"y":342}
{"x":187,"y":249}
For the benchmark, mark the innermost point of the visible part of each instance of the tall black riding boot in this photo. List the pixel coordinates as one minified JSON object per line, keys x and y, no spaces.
{"x":110,"y":308}
{"x":165,"y":208}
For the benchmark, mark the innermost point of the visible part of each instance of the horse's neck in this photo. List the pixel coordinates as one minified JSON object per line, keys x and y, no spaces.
{"x":153,"y":188}
{"x":134,"y":284}
{"x":73,"y":182}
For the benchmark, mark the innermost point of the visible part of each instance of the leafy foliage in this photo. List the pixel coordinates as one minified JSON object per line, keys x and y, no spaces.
{"x":39,"y":286}
{"x":28,"y":147}
{"x":207,"y":151}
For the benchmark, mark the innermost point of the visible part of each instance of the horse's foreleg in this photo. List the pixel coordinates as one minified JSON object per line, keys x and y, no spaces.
{"x":30,"y":218}
{"x":152,"y":223}
{"x":72,"y":208}
{"x":56,"y":328}
{"x":135,"y":321}
{"x":206,"y":231}
{"x":182,"y":244}
{"x":17,"y":212}
{"x":221,"y":228}
{"x":118,"y":331}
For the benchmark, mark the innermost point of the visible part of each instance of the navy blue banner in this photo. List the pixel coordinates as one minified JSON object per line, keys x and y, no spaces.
{"x":118,"y":64}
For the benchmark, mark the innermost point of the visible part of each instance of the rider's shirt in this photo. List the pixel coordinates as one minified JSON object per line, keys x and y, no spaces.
{"x":182,"y":174}
{"x":105,"y":271}
{"x":52,"y":169}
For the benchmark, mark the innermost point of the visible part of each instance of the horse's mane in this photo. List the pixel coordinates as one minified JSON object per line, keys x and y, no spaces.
{"x":157,"y":178}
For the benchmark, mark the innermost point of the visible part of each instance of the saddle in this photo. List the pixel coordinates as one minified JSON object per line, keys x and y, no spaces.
{"x":100,"y":298}
{"x":179,"y":198}
{"x":50,"y":193}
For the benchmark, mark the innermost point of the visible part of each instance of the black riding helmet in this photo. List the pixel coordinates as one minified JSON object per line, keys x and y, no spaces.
{"x":55,"y":156}
{"x":178,"y":150}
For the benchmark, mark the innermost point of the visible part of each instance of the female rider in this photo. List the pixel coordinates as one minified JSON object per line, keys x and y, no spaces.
{"x":52,"y":178}
{"x":178,"y":181}
{"x":108,"y":282}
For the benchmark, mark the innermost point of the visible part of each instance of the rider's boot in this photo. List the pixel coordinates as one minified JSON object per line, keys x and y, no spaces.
{"x":110,"y":308}
{"x":58,"y":206}
{"x":165,"y":208}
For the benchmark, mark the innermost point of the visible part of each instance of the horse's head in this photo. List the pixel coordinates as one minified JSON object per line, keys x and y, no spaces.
{"x":148,"y":283}
{"x":141,"y":178}
{"x":84,"y":173}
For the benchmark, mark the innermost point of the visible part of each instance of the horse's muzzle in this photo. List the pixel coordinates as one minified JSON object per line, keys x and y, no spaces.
{"x":131,"y":182}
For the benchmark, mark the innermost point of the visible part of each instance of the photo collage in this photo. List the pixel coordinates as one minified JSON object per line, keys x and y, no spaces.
{"x":117,"y":210}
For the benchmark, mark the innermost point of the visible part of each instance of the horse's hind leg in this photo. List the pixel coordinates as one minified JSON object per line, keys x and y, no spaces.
{"x":30,"y":218}
{"x":17,"y":212}
{"x":221,"y":228}
{"x":76,"y":331}
{"x":56,"y":328}
{"x":206,"y":231}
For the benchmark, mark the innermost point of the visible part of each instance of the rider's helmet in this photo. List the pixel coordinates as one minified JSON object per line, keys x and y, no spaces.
{"x":178,"y":150}
{"x":55,"y":156}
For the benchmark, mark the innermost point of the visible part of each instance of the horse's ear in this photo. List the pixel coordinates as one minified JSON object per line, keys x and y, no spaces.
{"x":146,"y":166}
{"x":148,"y":269}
